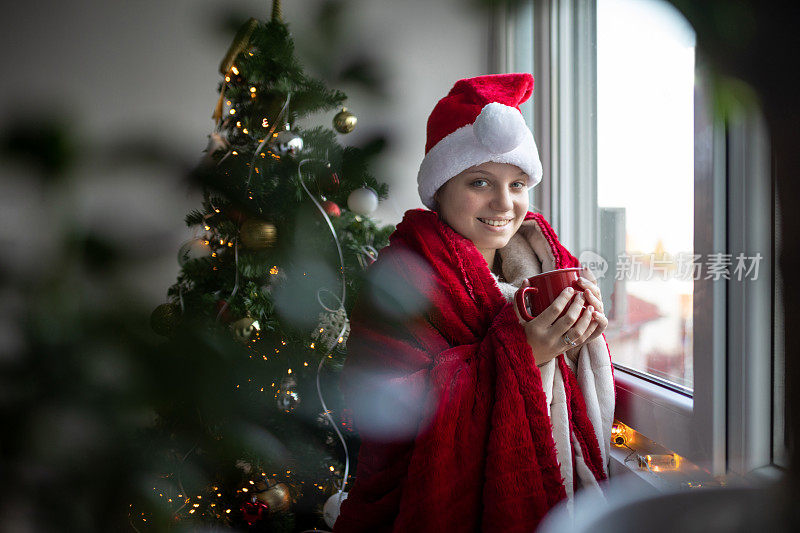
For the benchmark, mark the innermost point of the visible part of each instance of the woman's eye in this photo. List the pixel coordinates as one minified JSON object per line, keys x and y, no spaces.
{"x":480,"y":183}
{"x":518,"y":185}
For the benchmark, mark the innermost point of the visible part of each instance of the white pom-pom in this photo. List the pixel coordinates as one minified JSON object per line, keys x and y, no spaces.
{"x":500,"y":128}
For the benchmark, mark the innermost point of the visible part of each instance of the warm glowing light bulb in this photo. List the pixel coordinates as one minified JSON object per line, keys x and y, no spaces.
{"x":331,"y":469}
{"x":227,"y":78}
{"x":290,"y":371}
{"x":235,"y":70}
{"x":232,"y":111}
{"x":245,"y":131}
{"x":252,"y":89}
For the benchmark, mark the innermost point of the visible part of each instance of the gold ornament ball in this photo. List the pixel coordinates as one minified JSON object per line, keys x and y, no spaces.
{"x":244,"y":329}
{"x":344,"y":121}
{"x":257,"y":234}
{"x":277,"y":497}
{"x":165,"y":319}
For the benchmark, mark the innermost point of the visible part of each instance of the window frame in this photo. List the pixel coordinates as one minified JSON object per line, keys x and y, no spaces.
{"x":725,"y":426}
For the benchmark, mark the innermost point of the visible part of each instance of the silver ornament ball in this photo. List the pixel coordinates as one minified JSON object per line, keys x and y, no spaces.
{"x":287,"y":142}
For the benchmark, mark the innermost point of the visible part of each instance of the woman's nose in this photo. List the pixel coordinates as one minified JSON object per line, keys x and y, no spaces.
{"x":501,"y":201}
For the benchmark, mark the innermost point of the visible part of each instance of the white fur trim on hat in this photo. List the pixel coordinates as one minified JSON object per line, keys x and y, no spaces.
{"x":499,"y":134}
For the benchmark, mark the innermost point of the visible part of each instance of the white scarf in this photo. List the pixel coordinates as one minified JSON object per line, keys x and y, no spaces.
{"x":527,"y":254}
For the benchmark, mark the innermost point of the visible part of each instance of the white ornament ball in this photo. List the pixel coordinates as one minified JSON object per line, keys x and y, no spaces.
{"x":330,"y":511}
{"x":363,"y":201}
{"x":193,"y":249}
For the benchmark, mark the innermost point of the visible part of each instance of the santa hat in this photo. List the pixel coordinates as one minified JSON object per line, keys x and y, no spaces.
{"x":478,"y":121}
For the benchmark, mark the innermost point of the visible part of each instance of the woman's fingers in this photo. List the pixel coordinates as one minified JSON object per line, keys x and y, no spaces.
{"x":571,"y":316}
{"x":586,"y":273}
{"x":549,"y":315}
{"x":594,"y":299}
{"x":589,"y":331}
{"x":577,"y":333}
{"x":602,"y":324}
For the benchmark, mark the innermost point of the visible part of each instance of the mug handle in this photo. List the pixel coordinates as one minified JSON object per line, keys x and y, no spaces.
{"x":519,"y":299}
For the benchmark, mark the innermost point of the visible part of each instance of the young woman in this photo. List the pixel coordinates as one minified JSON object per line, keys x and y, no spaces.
{"x":470,"y":418}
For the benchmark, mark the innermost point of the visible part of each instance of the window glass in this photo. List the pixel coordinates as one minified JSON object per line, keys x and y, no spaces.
{"x":645,"y":171}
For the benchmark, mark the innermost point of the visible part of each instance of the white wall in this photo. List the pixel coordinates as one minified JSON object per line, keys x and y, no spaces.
{"x":148,"y":68}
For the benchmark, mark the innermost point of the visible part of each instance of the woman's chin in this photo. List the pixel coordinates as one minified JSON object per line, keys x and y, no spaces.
{"x":492,"y":243}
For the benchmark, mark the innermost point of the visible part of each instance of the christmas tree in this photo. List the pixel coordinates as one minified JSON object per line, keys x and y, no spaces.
{"x":275,"y":263}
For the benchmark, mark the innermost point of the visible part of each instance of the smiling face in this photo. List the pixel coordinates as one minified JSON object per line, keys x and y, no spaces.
{"x":486,"y":204}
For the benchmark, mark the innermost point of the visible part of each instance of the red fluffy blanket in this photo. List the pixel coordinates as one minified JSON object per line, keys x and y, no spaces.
{"x":447,"y":397}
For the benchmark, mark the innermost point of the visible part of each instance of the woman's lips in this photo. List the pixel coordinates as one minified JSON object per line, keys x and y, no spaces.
{"x":497,"y":223}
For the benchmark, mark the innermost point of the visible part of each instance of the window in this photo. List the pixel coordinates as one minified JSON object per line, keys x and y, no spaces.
{"x":646,"y":151}
{"x":645,"y":185}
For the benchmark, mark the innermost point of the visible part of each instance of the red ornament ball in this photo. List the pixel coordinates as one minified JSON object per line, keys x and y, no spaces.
{"x":331,"y":208}
{"x":253,"y":512}
{"x":236,"y":214}
{"x":226,"y":311}
{"x":328,"y":180}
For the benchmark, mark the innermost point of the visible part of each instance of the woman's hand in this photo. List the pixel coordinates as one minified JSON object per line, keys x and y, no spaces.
{"x":546,"y":331}
{"x":592,"y":294}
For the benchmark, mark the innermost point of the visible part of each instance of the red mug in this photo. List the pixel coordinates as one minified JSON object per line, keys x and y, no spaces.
{"x":544,"y":288}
